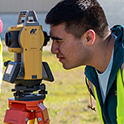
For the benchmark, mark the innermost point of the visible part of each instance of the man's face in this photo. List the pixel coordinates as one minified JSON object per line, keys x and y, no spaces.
{"x":68,"y":49}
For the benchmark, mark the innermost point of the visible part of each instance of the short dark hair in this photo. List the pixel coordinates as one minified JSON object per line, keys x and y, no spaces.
{"x":79,"y":16}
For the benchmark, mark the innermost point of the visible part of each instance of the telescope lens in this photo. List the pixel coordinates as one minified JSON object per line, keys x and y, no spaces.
{"x":11,"y":39}
{"x":8,"y":39}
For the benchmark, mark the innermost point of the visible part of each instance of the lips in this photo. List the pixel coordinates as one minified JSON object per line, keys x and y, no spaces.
{"x":60,"y":58}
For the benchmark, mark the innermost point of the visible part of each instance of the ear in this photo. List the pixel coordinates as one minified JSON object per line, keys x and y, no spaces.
{"x":90,"y":37}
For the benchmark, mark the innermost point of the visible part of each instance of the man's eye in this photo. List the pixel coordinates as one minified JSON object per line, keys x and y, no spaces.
{"x":59,"y":41}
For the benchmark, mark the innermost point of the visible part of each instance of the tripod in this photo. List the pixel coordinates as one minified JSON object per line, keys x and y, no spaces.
{"x":23,"y":112}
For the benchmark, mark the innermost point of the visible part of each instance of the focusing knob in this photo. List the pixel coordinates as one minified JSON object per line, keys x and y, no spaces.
{"x":6,"y":63}
{"x":46,"y":38}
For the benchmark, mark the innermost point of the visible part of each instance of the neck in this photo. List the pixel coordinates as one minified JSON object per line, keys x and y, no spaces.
{"x":103,"y":53}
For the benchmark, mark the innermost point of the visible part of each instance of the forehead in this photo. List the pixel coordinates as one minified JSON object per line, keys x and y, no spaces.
{"x":59,"y":32}
{"x":58,"y":29}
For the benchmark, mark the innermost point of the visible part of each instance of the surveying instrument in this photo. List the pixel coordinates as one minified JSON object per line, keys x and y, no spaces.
{"x":27,"y":71}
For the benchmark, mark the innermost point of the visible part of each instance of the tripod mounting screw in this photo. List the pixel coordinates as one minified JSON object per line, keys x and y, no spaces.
{"x":32,"y":110}
{"x":26,"y":119}
{"x":39,"y":119}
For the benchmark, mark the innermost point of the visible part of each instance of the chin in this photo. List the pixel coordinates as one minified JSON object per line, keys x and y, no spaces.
{"x":68,"y":67}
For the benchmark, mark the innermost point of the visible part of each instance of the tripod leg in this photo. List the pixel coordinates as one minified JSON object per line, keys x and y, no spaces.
{"x":42,"y":114}
{"x":31,"y":121}
{"x":40,"y":118}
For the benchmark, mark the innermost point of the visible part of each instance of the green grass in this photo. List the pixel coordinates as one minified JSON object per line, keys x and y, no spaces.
{"x":67,"y":97}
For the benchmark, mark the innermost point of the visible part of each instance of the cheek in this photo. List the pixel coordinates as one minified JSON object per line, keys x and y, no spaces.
{"x":77,"y":53}
{"x":72,"y":51}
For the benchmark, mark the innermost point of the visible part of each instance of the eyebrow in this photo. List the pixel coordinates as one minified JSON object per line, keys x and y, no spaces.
{"x":56,"y":38}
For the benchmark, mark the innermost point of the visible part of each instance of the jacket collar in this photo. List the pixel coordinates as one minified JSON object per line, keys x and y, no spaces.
{"x":118,"y":53}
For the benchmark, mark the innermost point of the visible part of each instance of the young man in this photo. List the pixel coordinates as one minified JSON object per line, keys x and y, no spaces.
{"x":81,"y":36}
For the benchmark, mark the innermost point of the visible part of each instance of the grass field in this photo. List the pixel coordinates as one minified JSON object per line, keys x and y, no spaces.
{"x":67,"y":97}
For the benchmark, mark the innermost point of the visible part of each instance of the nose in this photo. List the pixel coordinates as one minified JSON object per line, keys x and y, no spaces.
{"x":55,"y":47}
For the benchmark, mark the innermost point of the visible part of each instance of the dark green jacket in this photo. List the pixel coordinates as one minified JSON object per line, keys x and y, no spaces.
{"x":109,"y":106}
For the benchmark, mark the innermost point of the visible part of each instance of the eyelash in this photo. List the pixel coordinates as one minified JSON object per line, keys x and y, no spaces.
{"x":58,"y":41}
